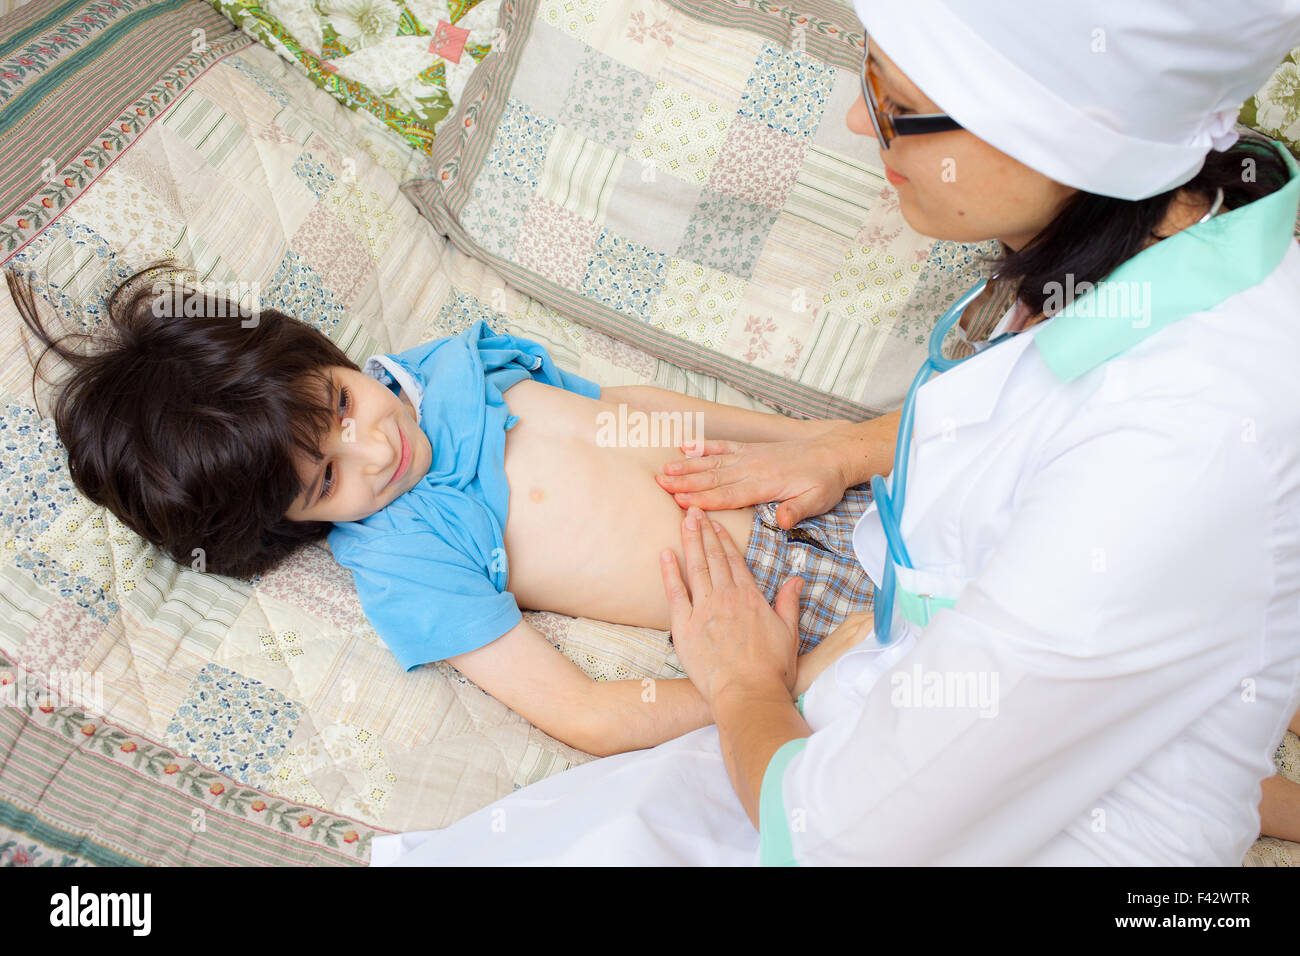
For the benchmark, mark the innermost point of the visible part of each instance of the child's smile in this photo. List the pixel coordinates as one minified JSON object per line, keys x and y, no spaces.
{"x":375,"y":452}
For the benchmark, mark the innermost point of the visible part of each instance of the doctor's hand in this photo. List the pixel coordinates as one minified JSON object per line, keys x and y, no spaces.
{"x":728,"y":639}
{"x":807,"y":475}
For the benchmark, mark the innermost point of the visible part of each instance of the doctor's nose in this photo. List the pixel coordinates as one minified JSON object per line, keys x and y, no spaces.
{"x":858,"y":120}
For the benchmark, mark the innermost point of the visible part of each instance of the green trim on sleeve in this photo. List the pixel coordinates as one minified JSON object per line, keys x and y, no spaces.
{"x":798,"y":704}
{"x":775,"y":847}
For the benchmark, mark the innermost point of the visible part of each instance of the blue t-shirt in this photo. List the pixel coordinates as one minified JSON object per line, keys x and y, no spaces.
{"x":431,"y":567}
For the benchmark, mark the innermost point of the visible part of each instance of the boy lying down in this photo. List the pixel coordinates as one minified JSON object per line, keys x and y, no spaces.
{"x":460,"y":481}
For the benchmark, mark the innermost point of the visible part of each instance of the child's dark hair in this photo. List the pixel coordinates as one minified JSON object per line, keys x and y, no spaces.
{"x":187,"y":426}
{"x":1092,"y":235}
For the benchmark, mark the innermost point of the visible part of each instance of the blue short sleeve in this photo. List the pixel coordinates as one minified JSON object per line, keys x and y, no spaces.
{"x":499,"y":352}
{"x":428,"y":600}
{"x":576,"y":383}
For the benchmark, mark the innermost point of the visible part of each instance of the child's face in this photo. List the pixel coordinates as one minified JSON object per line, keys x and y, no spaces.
{"x":374,"y":453}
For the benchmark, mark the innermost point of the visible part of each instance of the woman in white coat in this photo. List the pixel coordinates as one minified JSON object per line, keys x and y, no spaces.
{"x":1089,"y":642}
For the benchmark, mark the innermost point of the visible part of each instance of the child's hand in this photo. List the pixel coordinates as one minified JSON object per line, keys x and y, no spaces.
{"x":851,"y":631}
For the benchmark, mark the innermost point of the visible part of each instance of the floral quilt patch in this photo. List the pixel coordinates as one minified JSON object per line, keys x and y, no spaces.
{"x":405,"y":62}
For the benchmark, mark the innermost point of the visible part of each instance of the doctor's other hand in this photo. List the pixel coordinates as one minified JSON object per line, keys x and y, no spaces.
{"x":728,"y":638}
{"x":807,"y":475}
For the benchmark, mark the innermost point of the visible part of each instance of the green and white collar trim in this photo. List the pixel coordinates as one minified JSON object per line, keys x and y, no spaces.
{"x":1191,"y":271}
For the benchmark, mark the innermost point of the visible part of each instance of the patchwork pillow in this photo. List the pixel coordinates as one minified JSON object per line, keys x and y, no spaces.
{"x":405,"y":62}
{"x":679,"y":175}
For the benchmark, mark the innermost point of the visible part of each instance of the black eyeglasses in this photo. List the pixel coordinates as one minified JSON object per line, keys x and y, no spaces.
{"x":889,"y":125}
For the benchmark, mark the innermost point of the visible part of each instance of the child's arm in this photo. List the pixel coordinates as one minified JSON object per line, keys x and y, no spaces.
{"x":850,"y":631}
{"x":1279,"y":810}
{"x":527,"y":674}
{"x":724,"y":422}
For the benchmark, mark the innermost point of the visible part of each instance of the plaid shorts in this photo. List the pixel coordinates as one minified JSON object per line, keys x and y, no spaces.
{"x":819,"y":550}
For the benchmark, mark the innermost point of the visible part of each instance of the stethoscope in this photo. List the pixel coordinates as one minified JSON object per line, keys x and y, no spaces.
{"x":890,"y":506}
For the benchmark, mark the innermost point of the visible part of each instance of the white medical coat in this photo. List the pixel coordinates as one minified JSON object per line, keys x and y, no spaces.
{"x":1124,"y":551}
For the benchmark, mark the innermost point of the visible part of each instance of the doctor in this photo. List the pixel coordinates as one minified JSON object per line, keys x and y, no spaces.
{"x":1086,"y":641}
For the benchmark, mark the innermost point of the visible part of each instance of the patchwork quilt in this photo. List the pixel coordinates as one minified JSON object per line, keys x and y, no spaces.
{"x":151,"y":714}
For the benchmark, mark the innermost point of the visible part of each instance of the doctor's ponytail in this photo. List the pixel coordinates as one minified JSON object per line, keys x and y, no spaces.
{"x":1092,"y":234}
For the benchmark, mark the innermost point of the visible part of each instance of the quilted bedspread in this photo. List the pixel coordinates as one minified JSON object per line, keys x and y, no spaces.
{"x":154,"y":714}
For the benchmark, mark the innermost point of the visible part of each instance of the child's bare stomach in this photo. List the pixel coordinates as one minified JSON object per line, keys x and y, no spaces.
{"x":587,"y":519}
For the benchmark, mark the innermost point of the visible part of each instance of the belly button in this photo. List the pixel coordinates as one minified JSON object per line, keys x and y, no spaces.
{"x":536,"y":494}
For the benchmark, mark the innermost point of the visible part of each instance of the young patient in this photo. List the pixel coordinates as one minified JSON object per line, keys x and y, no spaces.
{"x":460,"y":481}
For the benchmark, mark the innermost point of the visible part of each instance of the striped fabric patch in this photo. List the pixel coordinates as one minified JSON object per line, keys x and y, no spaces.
{"x":80,"y":80}
{"x":830,"y":192}
{"x":579,"y":175}
{"x":212,"y":132}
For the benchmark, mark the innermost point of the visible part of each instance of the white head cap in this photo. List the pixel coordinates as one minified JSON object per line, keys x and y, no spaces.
{"x":1118,"y":97}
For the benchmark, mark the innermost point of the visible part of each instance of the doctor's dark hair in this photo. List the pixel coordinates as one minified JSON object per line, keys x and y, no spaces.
{"x":187,"y":426}
{"x":1092,"y":235}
